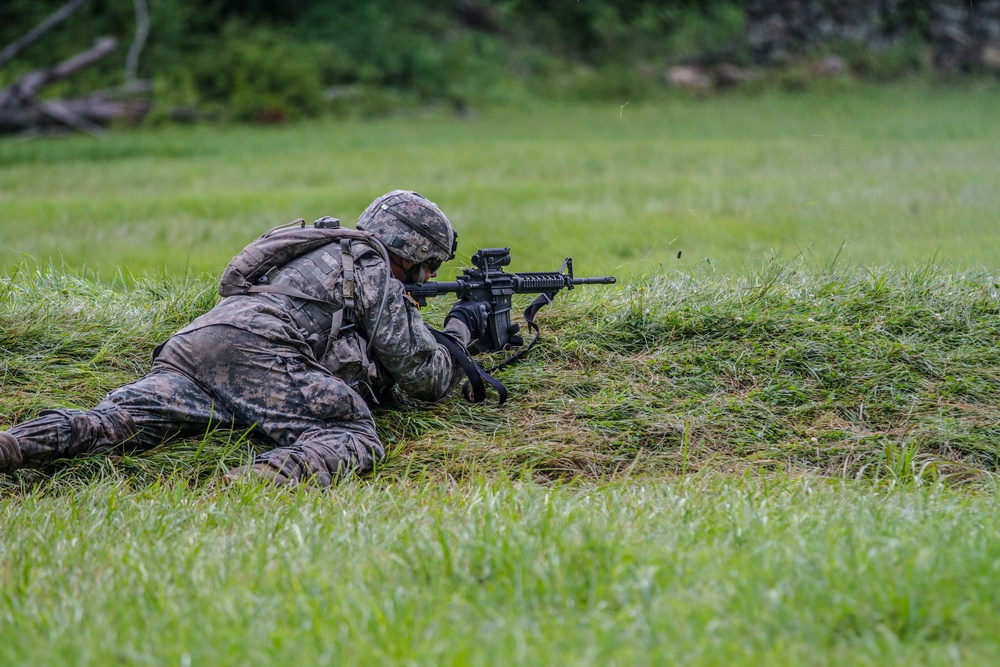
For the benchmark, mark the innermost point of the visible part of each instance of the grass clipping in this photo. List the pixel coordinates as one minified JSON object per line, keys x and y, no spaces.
{"x":881,"y":373}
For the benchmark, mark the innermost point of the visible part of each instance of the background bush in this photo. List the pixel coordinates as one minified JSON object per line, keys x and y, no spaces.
{"x":269,"y":61}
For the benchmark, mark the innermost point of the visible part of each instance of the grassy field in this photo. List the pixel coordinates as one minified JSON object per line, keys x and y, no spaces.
{"x":783,"y":455}
{"x":643,"y":572}
{"x":887,"y":174}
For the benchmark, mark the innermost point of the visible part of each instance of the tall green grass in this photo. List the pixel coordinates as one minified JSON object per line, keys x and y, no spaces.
{"x":692,"y":571}
{"x":874,"y":174}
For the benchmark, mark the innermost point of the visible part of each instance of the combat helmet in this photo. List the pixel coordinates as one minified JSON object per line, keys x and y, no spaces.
{"x":411,"y":226}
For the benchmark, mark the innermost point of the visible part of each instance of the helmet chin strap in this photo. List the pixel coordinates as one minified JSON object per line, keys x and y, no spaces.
{"x":420,"y":277}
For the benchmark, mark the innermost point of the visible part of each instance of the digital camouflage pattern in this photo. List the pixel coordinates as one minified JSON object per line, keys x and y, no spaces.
{"x":411,"y":226}
{"x":253,"y":361}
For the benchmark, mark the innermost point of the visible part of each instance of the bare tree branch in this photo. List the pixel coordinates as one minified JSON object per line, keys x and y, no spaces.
{"x":48,"y":24}
{"x":20,"y":106}
{"x":21,"y":109}
{"x":141,"y":33}
{"x":26,"y":87}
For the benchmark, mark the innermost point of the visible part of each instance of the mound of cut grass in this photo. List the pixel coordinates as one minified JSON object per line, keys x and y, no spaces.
{"x":883,"y":373}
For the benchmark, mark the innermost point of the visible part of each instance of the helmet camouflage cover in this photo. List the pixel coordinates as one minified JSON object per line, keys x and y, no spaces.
{"x":411,"y":226}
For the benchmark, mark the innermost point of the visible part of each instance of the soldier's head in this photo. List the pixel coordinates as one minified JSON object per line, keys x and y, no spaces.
{"x":413,"y":229}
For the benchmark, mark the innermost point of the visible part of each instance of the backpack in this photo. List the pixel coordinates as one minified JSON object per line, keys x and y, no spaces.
{"x":249,"y":270}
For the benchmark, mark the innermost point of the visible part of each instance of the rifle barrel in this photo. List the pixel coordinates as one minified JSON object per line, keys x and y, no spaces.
{"x":598,"y":280}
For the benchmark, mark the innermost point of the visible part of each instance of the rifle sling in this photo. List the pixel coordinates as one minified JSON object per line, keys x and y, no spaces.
{"x":529,"y":313}
{"x":473,"y":390}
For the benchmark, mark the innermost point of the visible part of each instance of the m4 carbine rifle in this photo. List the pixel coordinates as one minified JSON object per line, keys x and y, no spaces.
{"x":488,"y":283}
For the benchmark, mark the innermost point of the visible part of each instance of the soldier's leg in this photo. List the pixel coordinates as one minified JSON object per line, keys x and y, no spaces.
{"x":322,"y":427}
{"x":165,"y":405}
{"x":322,"y":453}
{"x":161,"y":405}
{"x":65,"y":433}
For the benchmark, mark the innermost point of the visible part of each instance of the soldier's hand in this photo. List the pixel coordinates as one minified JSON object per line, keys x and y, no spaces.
{"x":514,"y":338}
{"x":473,"y":314}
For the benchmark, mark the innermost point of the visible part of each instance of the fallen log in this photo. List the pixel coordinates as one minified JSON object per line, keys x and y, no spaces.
{"x":21,"y":109}
{"x":87,"y":114}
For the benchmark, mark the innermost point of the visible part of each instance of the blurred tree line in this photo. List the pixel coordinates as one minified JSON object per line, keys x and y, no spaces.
{"x":270,"y":60}
{"x":277,"y":59}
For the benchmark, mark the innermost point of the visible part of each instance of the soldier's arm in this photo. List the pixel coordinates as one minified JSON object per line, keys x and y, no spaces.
{"x":401,"y":342}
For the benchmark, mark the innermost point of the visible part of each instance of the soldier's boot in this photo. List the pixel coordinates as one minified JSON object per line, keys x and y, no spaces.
{"x":57,"y":434}
{"x":10,"y":453}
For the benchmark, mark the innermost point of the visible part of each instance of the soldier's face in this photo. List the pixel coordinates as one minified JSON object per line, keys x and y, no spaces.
{"x":407,"y":271}
{"x":423,"y":273}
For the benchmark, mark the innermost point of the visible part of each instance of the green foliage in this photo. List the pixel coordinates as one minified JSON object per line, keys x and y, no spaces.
{"x":717,"y":30}
{"x":253,"y":73}
{"x":610,"y":83}
{"x":113,"y":18}
{"x":602,"y":31}
{"x":268,"y":61}
{"x":903,"y":57}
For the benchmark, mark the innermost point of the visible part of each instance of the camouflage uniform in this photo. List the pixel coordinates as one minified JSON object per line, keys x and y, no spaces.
{"x":267,"y":360}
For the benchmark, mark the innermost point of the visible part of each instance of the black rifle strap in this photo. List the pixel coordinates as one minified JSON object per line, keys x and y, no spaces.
{"x":474,"y":390}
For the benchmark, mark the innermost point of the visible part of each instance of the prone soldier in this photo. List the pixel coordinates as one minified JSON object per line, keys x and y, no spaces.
{"x":300,"y":353}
